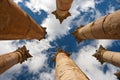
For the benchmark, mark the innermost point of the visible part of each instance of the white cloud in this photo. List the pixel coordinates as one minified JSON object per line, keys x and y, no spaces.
{"x":6,"y":46}
{"x":17,"y":1}
{"x":36,"y":63}
{"x":105,"y":43}
{"x":84,"y":5}
{"x":36,"y":47}
{"x":47,"y":76}
{"x":37,"y":5}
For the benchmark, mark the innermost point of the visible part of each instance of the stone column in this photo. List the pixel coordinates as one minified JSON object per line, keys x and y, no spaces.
{"x":17,"y":24}
{"x":62,"y":11}
{"x":118,"y":75}
{"x":10,"y":59}
{"x":66,"y":69}
{"x":104,"y":55}
{"x":107,"y":27}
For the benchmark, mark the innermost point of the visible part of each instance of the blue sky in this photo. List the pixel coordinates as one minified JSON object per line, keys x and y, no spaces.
{"x":41,"y":66}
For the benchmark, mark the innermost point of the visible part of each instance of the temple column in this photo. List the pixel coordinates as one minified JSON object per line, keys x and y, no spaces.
{"x":107,"y":27}
{"x":104,"y":55}
{"x":62,"y":11}
{"x":10,"y":59}
{"x":66,"y":69}
{"x":16,"y":24}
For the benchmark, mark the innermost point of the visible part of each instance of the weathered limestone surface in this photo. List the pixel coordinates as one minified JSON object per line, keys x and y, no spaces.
{"x":16,"y":24}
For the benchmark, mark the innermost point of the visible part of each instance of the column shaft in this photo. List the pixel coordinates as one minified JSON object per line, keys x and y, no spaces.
{"x":112,"y":57}
{"x":107,"y":27}
{"x":66,"y":69}
{"x":7,"y":61}
{"x":17,"y":24}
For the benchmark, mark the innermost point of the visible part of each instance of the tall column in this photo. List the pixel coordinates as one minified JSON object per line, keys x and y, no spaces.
{"x":62,"y":11}
{"x":66,"y":69}
{"x":10,"y":59}
{"x":107,"y":27}
{"x":17,"y":24}
{"x":104,"y":55}
{"x":118,"y":75}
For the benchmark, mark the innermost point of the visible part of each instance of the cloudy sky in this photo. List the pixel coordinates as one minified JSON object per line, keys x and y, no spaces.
{"x":41,"y":67}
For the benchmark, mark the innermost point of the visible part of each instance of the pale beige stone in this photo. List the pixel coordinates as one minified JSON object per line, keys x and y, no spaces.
{"x":66,"y":69}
